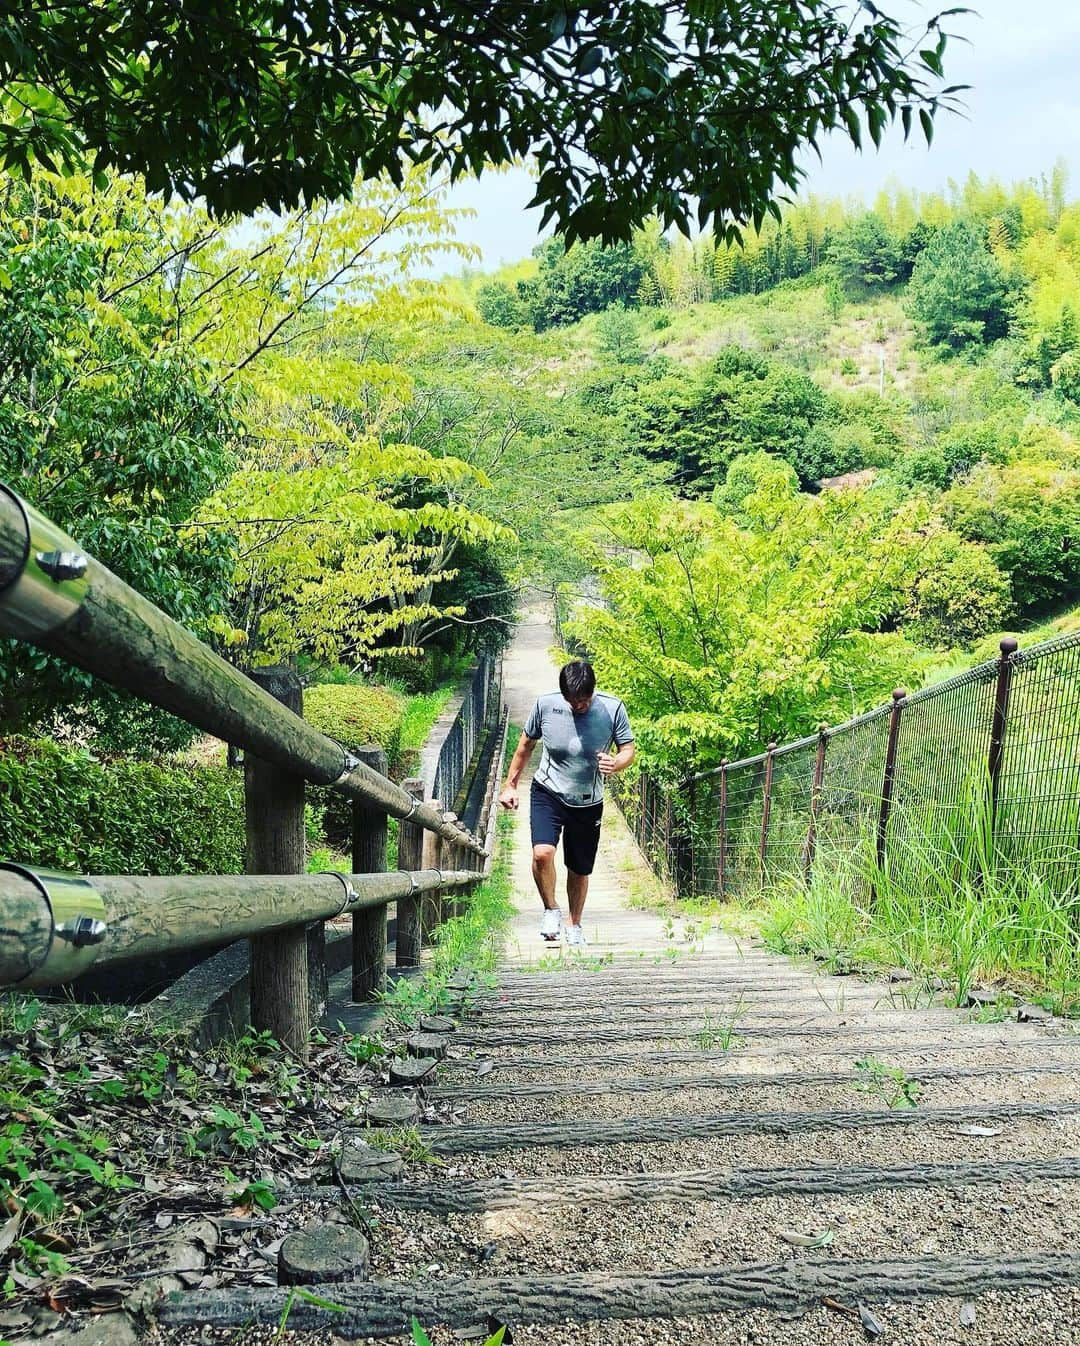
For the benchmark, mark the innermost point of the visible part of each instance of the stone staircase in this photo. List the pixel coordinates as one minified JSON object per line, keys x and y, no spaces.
{"x":720,"y":1148}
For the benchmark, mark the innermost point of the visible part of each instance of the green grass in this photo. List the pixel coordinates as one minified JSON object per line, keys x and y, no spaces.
{"x":474,"y":938}
{"x":949,"y":909}
{"x":471,"y":940}
{"x":421,"y":712}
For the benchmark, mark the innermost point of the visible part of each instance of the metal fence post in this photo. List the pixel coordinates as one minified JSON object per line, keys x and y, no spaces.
{"x":668,"y":865}
{"x":682,"y":847}
{"x":721,"y":829}
{"x":887,"y":781}
{"x":810,"y":845}
{"x":766,"y":809}
{"x":410,"y":858}
{"x":689,"y":838}
{"x":1001,"y":719}
{"x":280,"y":983}
{"x":369,"y":857}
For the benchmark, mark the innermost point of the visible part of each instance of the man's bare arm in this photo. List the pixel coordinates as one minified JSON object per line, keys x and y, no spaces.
{"x":612,"y":763}
{"x":524,"y":750}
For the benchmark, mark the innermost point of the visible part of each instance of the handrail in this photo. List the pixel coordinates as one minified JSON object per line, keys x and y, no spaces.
{"x":56,"y":596}
{"x":57,"y":925}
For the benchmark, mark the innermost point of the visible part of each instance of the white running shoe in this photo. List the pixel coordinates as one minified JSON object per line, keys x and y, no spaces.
{"x":575,"y":937}
{"x":551,"y":923}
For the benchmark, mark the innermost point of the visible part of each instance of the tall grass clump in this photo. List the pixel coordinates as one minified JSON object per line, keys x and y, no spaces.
{"x":946,"y":903}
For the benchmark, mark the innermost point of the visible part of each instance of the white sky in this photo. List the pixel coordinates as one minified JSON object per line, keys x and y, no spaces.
{"x":1022,"y":60}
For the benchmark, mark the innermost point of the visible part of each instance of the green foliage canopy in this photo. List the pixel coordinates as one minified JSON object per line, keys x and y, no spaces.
{"x":1028,"y":516}
{"x":740,"y":402}
{"x":627,"y":109}
{"x":110,"y":420}
{"x":722,"y":636}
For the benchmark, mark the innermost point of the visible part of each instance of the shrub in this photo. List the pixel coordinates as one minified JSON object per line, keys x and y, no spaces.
{"x":65,"y":809}
{"x":355,"y":715}
{"x":961,"y":595}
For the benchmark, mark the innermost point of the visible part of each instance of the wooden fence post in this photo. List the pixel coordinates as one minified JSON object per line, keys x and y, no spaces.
{"x":369,"y":857}
{"x":810,"y":845}
{"x":410,"y":858}
{"x":887,"y":781}
{"x":452,"y":855}
{"x":1001,"y":719}
{"x":766,"y":810}
{"x":721,"y":830}
{"x":280,"y":984}
{"x":439,"y":853}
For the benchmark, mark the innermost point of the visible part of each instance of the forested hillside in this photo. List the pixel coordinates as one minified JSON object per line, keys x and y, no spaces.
{"x":860,"y":430}
{"x":798,"y":470}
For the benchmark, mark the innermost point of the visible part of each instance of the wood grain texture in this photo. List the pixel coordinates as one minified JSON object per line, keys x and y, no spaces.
{"x":670,"y":1130}
{"x":385,"y":1308}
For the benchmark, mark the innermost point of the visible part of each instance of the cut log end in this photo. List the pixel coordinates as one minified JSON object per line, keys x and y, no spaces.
{"x":322,"y":1252}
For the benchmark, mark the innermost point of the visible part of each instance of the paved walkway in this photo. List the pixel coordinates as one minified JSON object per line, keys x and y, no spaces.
{"x":615,"y":922}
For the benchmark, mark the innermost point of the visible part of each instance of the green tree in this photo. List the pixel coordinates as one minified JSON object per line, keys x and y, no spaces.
{"x":959,"y":292}
{"x":740,"y":402}
{"x":868,"y":256}
{"x":751,"y":476}
{"x":501,"y":306}
{"x":583,"y":278}
{"x":110,"y":421}
{"x":626,"y":109}
{"x":957,"y":595}
{"x":1027,"y":515}
{"x":617,"y":336}
{"x":721,"y":635}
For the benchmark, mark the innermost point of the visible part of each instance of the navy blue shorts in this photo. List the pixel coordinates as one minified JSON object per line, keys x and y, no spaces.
{"x":550,"y":816}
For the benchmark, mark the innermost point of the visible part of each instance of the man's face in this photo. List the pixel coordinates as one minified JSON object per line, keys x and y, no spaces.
{"x":579,"y":704}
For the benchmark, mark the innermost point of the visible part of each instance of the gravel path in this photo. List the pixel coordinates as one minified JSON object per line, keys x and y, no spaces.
{"x":814,"y":1097}
{"x":881,"y":1225}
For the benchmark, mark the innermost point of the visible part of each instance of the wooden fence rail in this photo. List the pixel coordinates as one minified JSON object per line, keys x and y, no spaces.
{"x":54,"y":926}
{"x":55,"y":596}
{"x":57,"y":925}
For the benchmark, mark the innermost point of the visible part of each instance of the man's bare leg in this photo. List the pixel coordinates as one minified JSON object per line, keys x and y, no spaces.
{"x":577,"y":889}
{"x":543,"y":872}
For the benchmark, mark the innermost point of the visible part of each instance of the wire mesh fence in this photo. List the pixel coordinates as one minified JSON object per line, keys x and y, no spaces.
{"x":995,"y":749}
{"x":480,"y":706}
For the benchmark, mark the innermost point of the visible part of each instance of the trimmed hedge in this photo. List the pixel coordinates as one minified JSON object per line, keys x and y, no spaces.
{"x":63,"y":808}
{"x":356,"y":716}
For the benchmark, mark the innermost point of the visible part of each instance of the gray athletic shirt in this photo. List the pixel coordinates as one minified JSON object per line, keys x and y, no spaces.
{"x":568,"y":763}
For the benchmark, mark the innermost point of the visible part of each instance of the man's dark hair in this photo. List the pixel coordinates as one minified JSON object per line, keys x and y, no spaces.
{"x":577,"y":679}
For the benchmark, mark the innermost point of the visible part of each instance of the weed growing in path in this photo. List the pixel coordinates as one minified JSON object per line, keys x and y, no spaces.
{"x":719,"y":1035}
{"x":403,"y":1140}
{"x":421,"y":1338}
{"x":890,"y":1084}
